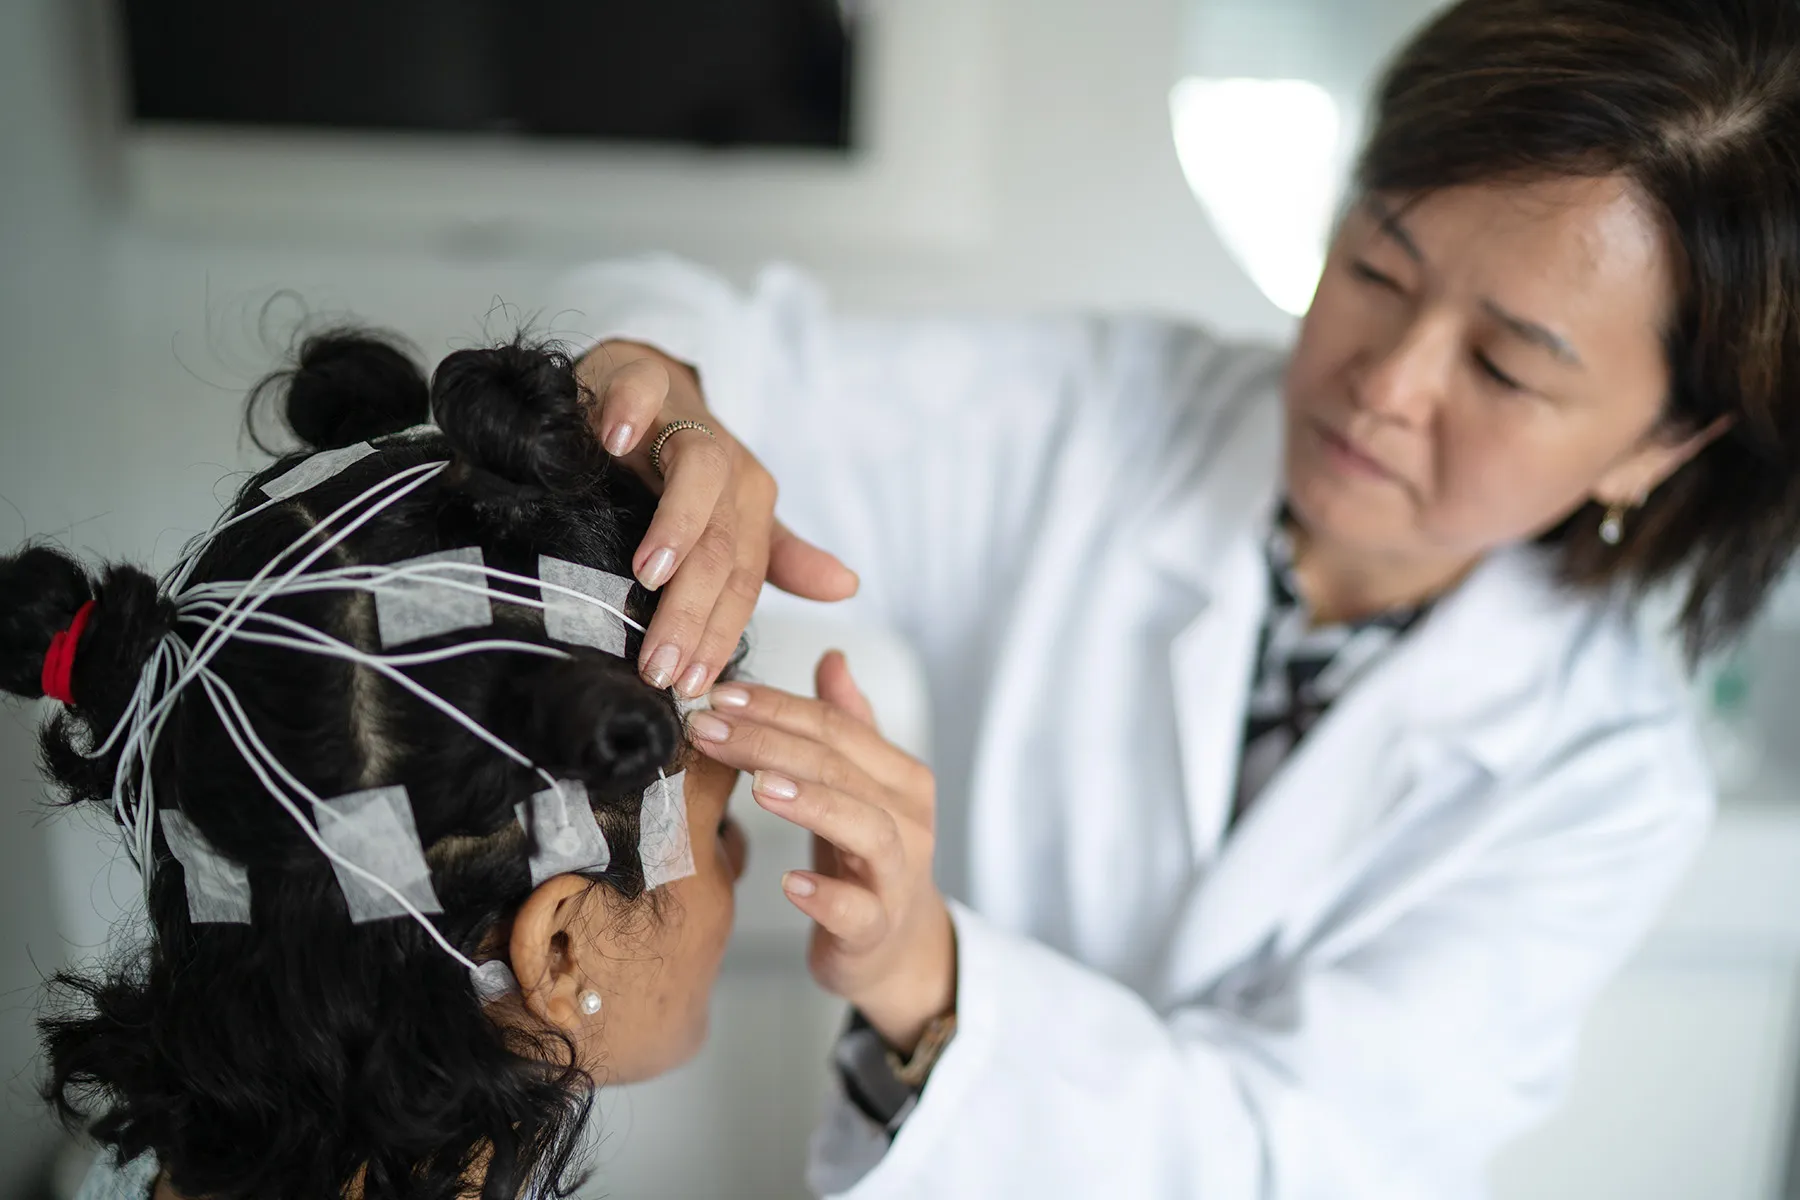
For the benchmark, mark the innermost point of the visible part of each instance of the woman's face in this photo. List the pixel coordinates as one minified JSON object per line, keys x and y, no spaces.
{"x":654,"y":961}
{"x":1477,"y":365}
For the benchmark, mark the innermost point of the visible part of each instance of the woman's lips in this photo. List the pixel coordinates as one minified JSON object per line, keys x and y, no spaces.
{"x":1347,"y":457}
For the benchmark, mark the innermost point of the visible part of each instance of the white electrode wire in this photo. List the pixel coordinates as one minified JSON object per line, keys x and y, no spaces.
{"x":208,"y":642}
{"x":147,"y":711}
{"x":373,"y":577}
{"x":253,"y":598}
{"x":318,"y":642}
{"x":243,"y":735}
{"x":176,"y":577}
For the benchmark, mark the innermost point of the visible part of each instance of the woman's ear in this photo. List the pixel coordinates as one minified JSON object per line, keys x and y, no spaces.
{"x":546,"y":950}
{"x":1650,"y":465}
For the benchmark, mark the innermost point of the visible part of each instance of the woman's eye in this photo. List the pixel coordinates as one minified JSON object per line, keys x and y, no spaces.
{"x":1496,"y":374}
{"x":1368,"y":274}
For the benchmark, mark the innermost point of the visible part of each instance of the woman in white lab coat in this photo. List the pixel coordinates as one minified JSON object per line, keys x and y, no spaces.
{"x":1301,"y":772}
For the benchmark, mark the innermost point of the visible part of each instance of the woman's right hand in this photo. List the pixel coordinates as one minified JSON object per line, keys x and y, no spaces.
{"x":714,"y":539}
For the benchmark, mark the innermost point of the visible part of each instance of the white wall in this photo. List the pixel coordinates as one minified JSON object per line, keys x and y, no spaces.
{"x":56,"y":456}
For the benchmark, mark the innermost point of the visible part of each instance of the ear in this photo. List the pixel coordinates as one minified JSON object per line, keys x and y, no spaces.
{"x":547,"y":949}
{"x":1650,"y":465}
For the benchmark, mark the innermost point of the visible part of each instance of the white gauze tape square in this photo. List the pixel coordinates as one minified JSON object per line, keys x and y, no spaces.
{"x":576,"y":622}
{"x":567,"y":837}
{"x":663,"y":843}
{"x":316,"y":470}
{"x":218,"y":890}
{"x":410,"y":610}
{"x":375,"y":830}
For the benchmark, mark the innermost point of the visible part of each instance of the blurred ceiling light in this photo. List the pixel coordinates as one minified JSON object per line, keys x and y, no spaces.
{"x":1267,"y":117}
{"x":1263,"y":156}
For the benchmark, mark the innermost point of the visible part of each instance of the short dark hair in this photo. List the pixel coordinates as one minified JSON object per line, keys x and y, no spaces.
{"x":291,"y":1056}
{"x":1697,"y":103}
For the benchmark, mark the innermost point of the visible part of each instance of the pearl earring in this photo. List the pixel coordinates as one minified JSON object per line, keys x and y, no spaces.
{"x":590,"y":1002}
{"x":1612,"y":529}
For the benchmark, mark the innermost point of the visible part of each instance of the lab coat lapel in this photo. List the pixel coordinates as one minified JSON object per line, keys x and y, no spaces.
{"x":1208,"y":538}
{"x":1470,"y":684}
{"x":1321,"y":802}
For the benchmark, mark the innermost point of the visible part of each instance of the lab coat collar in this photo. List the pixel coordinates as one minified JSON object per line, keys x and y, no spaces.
{"x":1476,"y":679}
{"x":1205,"y":535}
{"x":1477,"y":667}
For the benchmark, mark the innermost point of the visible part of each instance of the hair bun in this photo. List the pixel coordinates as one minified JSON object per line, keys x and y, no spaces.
{"x":348,"y":386}
{"x":515,"y":412}
{"x":593,"y":718}
{"x":40,"y":591}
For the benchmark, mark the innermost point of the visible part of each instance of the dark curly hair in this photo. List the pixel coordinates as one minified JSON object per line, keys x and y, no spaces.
{"x":301,"y":1053}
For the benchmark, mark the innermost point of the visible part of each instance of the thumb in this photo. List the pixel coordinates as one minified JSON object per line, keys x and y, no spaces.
{"x":802,"y":569}
{"x":835,"y":686}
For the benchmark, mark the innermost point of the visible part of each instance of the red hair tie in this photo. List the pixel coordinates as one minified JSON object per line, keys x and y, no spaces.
{"x":59,"y":660}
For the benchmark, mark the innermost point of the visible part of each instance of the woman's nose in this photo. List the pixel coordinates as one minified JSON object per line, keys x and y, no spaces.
{"x":1407,"y":383}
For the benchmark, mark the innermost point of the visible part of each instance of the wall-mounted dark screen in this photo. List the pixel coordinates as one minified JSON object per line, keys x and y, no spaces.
{"x":712,"y":72}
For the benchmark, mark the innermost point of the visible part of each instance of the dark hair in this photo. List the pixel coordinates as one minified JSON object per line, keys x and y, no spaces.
{"x":1697,"y":103}
{"x":289,"y":1056}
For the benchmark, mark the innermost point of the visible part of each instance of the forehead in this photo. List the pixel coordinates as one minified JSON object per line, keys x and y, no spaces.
{"x":1583,"y":256}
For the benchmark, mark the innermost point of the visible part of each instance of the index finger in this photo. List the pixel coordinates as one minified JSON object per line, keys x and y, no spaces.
{"x":695,"y":471}
{"x":820,"y":721}
{"x":631,"y":396}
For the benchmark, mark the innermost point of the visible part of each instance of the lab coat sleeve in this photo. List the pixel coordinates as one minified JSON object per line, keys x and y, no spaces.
{"x":919,"y":451}
{"x":1392,"y":1071}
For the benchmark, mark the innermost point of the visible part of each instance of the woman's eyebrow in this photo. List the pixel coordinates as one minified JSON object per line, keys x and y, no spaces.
{"x":1388,"y":222}
{"x":1532,"y":332}
{"x":1528,"y":331}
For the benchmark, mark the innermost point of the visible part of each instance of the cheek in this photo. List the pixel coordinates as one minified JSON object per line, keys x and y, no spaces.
{"x":1343,"y":320}
{"x":1501,"y":483}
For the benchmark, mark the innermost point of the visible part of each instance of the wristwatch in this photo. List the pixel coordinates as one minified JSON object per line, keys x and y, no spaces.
{"x":882,"y":1086}
{"x":914,"y":1071}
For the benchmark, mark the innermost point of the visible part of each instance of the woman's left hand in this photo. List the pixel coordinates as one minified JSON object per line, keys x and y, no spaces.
{"x":882,"y":935}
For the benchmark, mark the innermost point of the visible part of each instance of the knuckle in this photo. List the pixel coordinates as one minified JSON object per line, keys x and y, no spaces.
{"x":888,"y":842}
{"x":844,"y":911}
{"x":681,"y":525}
{"x":836,"y":774}
{"x":758,"y":486}
{"x":743,"y":586}
{"x":711,"y":557}
{"x":919,"y":778}
{"x":698,"y":454}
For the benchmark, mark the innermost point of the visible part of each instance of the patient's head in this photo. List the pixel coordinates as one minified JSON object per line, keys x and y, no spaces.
{"x":304,"y":1052}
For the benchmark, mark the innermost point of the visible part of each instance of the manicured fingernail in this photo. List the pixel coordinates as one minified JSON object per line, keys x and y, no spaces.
{"x":661,"y":667}
{"x":730,"y":697}
{"x":708,"y":728}
{"x":798,"y":885}
{"x":618,"y":439}
{"x":657,"y":569}
{"x":775,"y":787}
{"x":693,"y":680}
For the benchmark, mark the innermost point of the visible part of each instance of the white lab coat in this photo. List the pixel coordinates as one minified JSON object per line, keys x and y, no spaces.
{"x":1380,"y":975}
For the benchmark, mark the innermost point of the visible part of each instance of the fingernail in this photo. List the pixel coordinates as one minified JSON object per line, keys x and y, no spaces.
{"x":776,"y":787}
{"x":798,"y":885}
{"x":662,"y":664}
{"x":618,"y":439}
{"x":730,"y":697}
{"x":708,"y":728}
{"x":657,"y":569}
{"x":693,"y":680}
